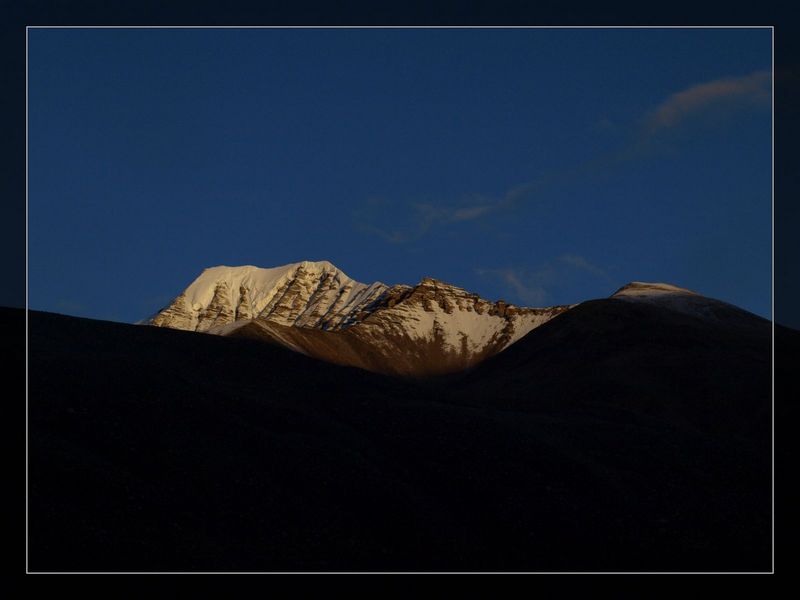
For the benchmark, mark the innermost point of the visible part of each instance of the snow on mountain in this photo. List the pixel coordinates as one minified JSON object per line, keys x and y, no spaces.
{"x":683,"y":301}
{"x":462,"y":321}
{"x":427,"y":329}
{"x":649,"y":291}
{"x":430,"y":328}
{"x":304,"y":294}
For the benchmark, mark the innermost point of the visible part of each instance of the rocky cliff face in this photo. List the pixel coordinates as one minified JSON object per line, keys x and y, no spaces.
{"x":305,"y":294}
{"x":314,"y":308}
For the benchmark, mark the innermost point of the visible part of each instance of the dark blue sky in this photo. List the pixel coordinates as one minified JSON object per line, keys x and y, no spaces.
{"x":542,"y":166}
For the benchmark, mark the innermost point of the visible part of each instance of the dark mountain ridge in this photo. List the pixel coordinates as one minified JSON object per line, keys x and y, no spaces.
{"x":616,"y":436}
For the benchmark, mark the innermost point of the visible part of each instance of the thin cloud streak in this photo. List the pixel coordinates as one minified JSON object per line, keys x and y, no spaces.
{"x":391,"y":237}
{"x":580,"y":263}
{"x":467,"y":214}
{"x":755,"y":87}
{"x":674,"y":111}
{"x":532,"y":287}
{"x":522,"y":285}
{"x":426,"y":216}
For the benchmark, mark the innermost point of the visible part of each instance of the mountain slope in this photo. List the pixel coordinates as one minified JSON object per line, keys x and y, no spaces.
{"x":650,"y":348}
{"x":580,"y":447}
{"x":312,"y":307}
{"x":432,"y":329}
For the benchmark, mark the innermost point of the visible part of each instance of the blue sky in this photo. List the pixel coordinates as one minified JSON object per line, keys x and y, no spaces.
{"x":541,"y":166}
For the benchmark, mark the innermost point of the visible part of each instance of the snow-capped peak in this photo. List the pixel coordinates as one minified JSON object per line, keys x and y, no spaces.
{"x":675,"y":298}
{"x":640,"y":288}
{"x":260,"y":281}
{"x":430,"y":327}
{"x":305,"y":293}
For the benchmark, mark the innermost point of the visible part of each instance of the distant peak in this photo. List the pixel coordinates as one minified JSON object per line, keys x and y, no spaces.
{"x":429,"y":281}
{"x":318,"y":264}
{"x":308,"y":265}
{"x":437,"y":283}
{"x":640,"y":288}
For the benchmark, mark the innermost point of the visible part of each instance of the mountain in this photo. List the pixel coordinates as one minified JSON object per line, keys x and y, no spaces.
{"x":629,"y":433}
{"x":653,"y":349}
{"x":314,"y":308}
{"x":690,"y":303}
{"x":304,"y":294}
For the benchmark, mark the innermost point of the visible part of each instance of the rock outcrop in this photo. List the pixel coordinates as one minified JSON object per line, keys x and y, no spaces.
{"x":305,"y":294}
{"x":312,"y":307}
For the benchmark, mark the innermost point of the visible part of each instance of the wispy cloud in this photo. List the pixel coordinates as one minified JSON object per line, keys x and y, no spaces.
{"x":533,"y":286}
{"x":414,"y":220}
{"x":480,"y":206}
{"x":579,"y":262}
{"x":473,"y":212}
{"x":674,"y":110}
{"x":524,"y":286}
{"x":389,"y":236}
{"x":418,"y":219}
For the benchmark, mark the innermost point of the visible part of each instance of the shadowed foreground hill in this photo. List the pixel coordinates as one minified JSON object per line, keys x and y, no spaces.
{"x":156,"y":449}
{"x":708,"y":373}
